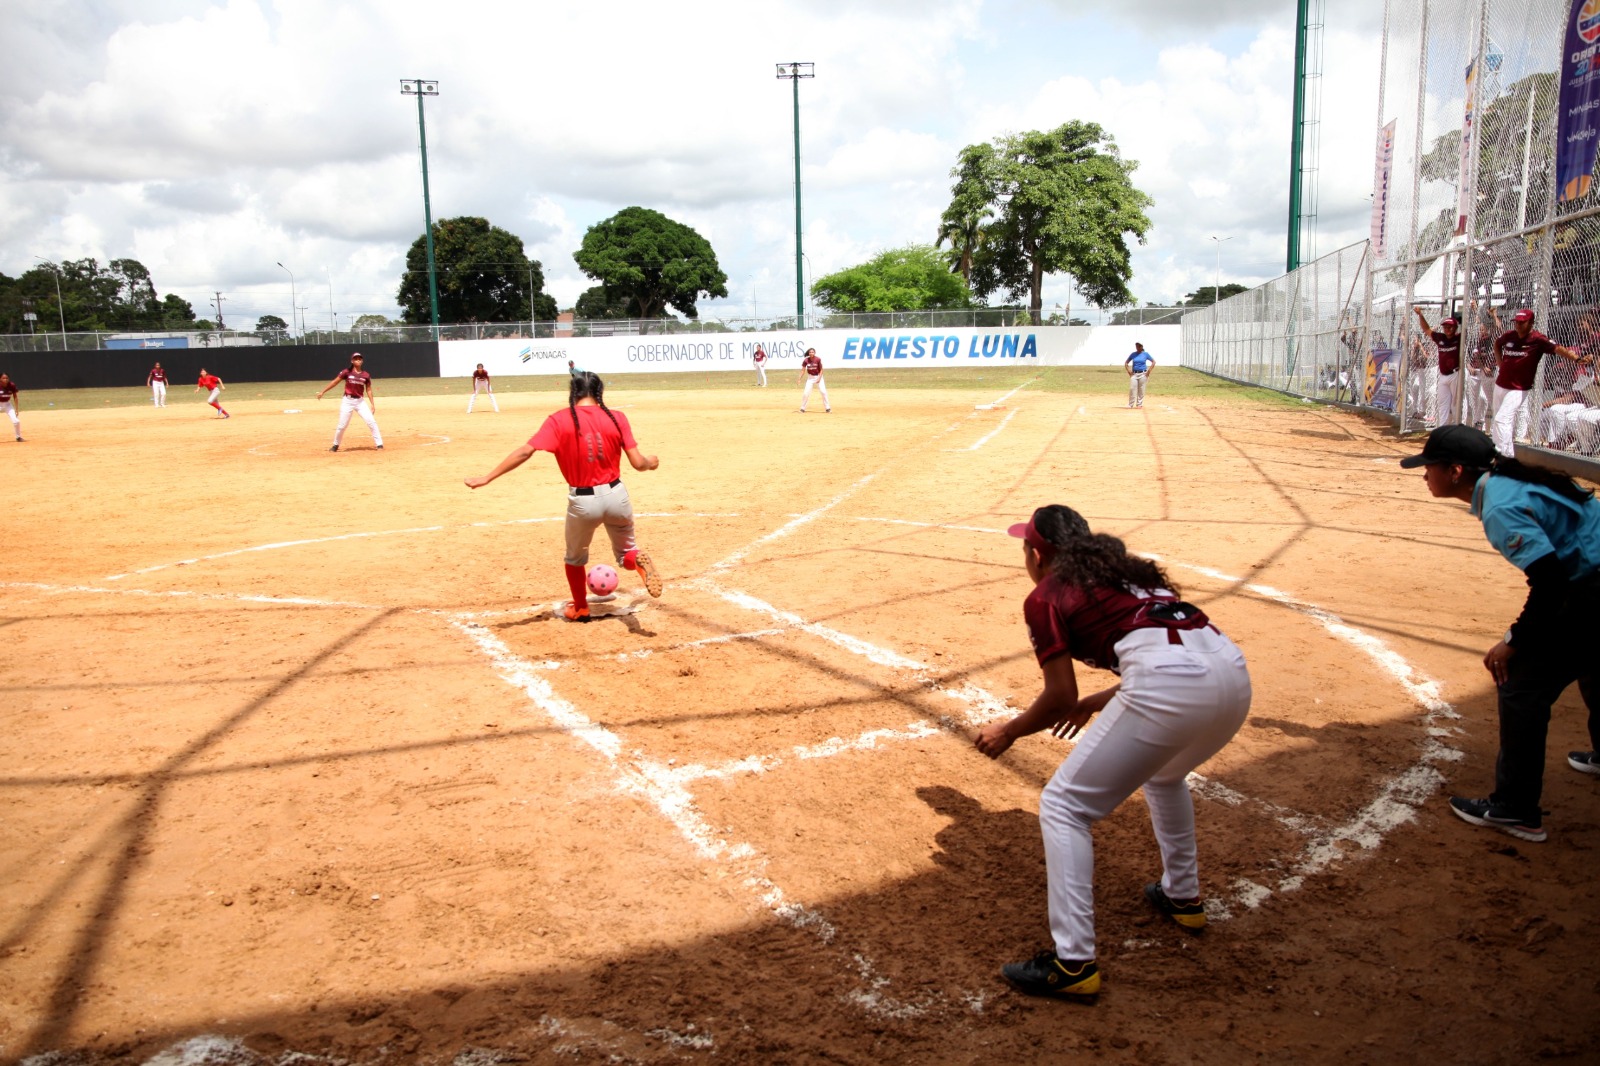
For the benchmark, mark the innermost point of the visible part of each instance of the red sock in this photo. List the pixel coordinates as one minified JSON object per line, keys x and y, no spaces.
{"x":578,"y":582}
{"x":218,"y":406}
{"x":629,"y":558}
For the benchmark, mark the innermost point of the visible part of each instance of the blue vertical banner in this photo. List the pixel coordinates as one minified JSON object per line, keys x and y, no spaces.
{"x":1578,"y":112}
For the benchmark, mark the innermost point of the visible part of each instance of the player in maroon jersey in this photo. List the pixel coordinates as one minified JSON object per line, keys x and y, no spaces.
{"x":359,"y":398}
{"x":1184,"y":692}
{"x":480,"y":379}
{"x":157,"y":380}
{"x":8,"y":400}
{"x":213,"y":385}
{"x":588,"y":440}
{"x":1447,"y":342}
{"x":760,"y":359}
{"x":1519,"y":349}
{"x":811,"y":374}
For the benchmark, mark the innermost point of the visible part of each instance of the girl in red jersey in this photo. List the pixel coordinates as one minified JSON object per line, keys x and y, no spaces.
{"x":214,"y":385}
{"x":588,"y":440}
{"x":359,"y":398}
{"x":8,"y":400}
{"x":1184,"y":692}
{"x":480,"y":380}
{"x":157,"y":380}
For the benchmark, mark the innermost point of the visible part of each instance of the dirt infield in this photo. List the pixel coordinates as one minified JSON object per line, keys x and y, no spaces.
{"x":302,"y":767}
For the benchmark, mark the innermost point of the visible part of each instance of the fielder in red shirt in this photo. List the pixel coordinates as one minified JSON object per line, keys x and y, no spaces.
{"x":1519,"y":350}
{"x":212,"y":384}
{"x":588,"y":440}
{"x":8,"y":400}
{"x":157,"y":380}
{"x":811,"y":375}
{"x":1183,"y":693}
{"x":359,"y":398}
{"x":480,"y":380}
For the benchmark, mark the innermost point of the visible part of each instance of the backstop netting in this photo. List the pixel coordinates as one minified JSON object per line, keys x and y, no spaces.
{"x":1468,"y":223}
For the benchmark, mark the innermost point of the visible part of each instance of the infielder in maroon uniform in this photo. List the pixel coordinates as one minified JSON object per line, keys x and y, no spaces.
{"x":480,"y":380}
{"x":588,"y":440}
{"x":811,"y":374}
{"x":157,"y":380}
{"x":1184,"y":692}
{"x":1447,"y":342}
{"x":760,"y":359}
{"x":212,"y":385}
{"x":359,"y":398}
{"x":1519,"y":348}
{"x":8,"y":400}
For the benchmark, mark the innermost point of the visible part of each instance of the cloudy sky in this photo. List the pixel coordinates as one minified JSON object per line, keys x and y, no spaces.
{"x":213,"y":139}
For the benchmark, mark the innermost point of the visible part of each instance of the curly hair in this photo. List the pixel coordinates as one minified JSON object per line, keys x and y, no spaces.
{"x":587,"y":385}
{"x":1087,"y":560}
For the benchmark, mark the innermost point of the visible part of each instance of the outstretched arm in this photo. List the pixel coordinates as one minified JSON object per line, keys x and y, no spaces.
{"x":328,"y":386}
{"x":641,"y":461}
{"x":519,"y":456}
{"x":1057,"y":704}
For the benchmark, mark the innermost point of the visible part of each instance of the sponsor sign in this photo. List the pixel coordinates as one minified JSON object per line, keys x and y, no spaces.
{"x":1383,"y":375}
{"x":1382,"y":172}
{"x":1578,"y":107}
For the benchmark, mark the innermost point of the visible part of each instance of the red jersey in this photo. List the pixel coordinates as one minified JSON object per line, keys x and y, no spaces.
{"x":158,"y":374}
{"x":7,"y":391}
{"x":1087,"y":625}
{"x":761,"y":356}
{"x":355,"y":382}
{"x":480,"y":375}
{"x":1519,"y":358}
{"x":209,"y":381}
{"x":812,"y":365}
{"x":1449,"y":350}
{"x":592,"y":457}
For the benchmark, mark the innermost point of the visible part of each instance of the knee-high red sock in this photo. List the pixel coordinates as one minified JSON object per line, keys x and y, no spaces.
{"x":628,"y":558}
{"x":578,"y":582}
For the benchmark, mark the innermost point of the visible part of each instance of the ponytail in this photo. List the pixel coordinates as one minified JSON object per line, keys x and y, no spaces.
{"x":1560,"y":484}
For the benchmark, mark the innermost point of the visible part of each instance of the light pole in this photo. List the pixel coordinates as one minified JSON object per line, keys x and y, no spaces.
{"x":419,"y":88}
{"x":293,"y":299}
{"x":333,"y":319}
{"x":1216,"y":281}
{"x":62,"y":311}
{"x":793,"y":72}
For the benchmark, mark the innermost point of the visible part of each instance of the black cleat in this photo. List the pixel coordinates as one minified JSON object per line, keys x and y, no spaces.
{"x":1585,"y":762}
{"x":1190,"y":915}
{"x":1046,"y":975}
{"x":334,"y":448}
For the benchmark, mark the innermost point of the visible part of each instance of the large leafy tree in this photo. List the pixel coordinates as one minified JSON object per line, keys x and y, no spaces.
{"x":1207,"y":295}
{"x":1063,"y":202}
{"x":117,"y":296}
{"x":913,"y":278}
{"x":971,"y":209}
{"x":483,"y":276}
{"x":651,"y":263}
{"x":600,"y":302}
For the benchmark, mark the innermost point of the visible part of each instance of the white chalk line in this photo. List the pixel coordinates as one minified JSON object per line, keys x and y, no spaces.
{"x":660,"y":786}
{"x":793,"y":524}
{"x":276,"y":545}
{"x":438,"y":439}
{"x":987,"y":437}
{"x":237,"y":597}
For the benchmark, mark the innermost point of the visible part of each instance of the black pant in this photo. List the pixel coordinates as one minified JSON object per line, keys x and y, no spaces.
{"x":1536,"y":677}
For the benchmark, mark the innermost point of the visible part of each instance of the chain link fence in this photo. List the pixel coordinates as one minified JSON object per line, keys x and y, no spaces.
{"x":1471,"y":230}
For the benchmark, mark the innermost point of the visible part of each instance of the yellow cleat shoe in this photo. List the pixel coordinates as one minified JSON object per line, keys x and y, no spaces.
{"x":1190,"y":915}
{"x":1046,"y":975}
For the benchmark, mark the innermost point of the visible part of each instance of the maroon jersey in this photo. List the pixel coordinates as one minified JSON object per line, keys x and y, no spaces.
{"x":761,"y":356}
{"x":7,"y":391}
{"x":1087,"y":625}
{"x":1449,"y":350}
{"x":158,"y":374}
{"x":209,"y":381}
{"x":812,"y":365}
{"x":1519,"y":358}
{"x":592,"y":456}
{"x":480,"y":375}
{"x":355,"y":382}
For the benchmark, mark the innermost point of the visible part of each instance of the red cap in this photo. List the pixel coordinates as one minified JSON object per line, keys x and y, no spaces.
{"x":1523,"y":315}
{"x":1449,"y":322}
{"x":1029,"y":534}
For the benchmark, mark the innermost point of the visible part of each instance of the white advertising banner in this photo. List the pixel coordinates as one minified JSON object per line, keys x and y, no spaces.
{"x":838,"y":348}
{"x":1382,"y":172}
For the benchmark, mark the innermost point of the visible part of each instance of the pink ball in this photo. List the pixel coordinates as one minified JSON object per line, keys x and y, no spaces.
{"x":602,"y":580}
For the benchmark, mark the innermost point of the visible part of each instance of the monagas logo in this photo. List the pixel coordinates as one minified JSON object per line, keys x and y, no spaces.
{"x":1589,"y":22}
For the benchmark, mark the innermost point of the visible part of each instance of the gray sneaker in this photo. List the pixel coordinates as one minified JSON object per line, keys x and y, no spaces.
{"x":1585,"y":762}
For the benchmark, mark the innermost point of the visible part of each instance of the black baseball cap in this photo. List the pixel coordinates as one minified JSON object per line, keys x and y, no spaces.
{"x":1467,"y":445}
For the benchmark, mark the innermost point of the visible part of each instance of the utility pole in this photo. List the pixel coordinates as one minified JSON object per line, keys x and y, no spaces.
{"x":419,"y":88}
{"x":793,"y":72}
{"x":217,"y":302}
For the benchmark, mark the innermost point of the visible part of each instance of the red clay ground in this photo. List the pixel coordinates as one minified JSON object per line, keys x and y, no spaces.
{"x":299,"y":762}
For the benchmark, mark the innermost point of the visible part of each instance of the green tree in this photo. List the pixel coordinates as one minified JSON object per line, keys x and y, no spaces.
{"x":1207,"y":295}
{"x":965,"y":221}
{"x":913,"y":278}
{"x":269,"y":323}
{"x":483,"y":276}
{"x":176,"y":312}
{"x":372,"y":322}
{"x":1063,"y":202}
{"x":650,"y":263}
{"x":600,"y":302}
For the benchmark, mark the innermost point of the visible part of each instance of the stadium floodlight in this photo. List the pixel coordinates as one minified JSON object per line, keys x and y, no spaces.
{"x":1216,"y":283}
{"x":793,"y":72}
{"x":419,"y":88}
{"x":55,"y":272}
{"x":293,"y":299}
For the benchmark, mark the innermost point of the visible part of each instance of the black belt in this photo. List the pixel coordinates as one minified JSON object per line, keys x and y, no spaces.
{"x":588,"y":490}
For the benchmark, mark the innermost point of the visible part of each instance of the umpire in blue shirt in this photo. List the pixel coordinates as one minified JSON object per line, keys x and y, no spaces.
{"x":1138,"y":365}
{"x":1549,"y":528}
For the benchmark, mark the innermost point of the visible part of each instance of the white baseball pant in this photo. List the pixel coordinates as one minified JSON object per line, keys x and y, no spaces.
{"x":1586,"y":430}
{"x":11,"y":412}
{"x":1507,"y":406}
{"x":351,"y":406}
{"x":1557,"y":421}
{"x":815,"y":379}
{"x":1179,"y":704}
{"x":487,"y":387}
{"x":761,"y":374}
{"x":1480,"y":386}
{"x":1136,"y":388}
{"x":158,"y":393}
{"x":609,"y":507}
{"x":1449,"y":399}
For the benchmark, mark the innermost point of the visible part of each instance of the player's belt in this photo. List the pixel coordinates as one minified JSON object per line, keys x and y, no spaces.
{"x":588,"y":490}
